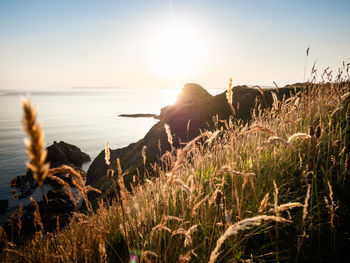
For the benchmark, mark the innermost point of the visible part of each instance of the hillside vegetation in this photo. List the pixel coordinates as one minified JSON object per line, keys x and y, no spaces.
{"x":275,"y":188}
{"x":192,"y":113}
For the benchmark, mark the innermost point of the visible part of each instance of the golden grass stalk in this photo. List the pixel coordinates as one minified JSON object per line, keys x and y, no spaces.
{"x":102,"y":250}
{"x":229,"y":93}
{"x":242,"y":225}
{"x":143,"y":154}
{"x":188,"y":125}
{"x":196,"y":206}
{"x":299,"y":135}
{"x":259,"y":89}
{"x":263,"y":204}
{"x":159,"y":227}
{"x":229,"y":97}
{"x":65,"y":185}
{"x":37,"y":217}
{"x":276,"y":86}
{"x":168,"y":133}
{"x":181,"y":155}
{"x":181,"y":184}
{"x":184,"y":232}
{"x":123,"y":191}
{"x":277,"y":140}
{"x":162,"y":224}
{"x":212,"y":136}
{"x":256,"y":128}
{"x":306,"y":203}
{"x":77,"y":181}
{"x":275,"y":101}
{"x":330,"y":193}
{"x":19,"y":218}
{"x":288,"y":206}
{"x":107,"y":154}
{"x":192,"y":143}
{"x":122,"y":194}
{"x":275,"y":195}
{"x":174,"y":218}
{"x":227,"y":169}
{"x":345,"y":96}
{"x":35,"y":144}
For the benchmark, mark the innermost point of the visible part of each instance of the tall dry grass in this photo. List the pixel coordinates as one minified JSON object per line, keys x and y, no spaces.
{"x":273,"y":189}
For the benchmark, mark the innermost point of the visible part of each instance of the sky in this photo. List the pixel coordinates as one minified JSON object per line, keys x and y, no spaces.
{"x":167,"y":43}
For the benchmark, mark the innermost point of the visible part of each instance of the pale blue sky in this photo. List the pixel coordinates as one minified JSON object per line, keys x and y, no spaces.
{"x":52,"y":44}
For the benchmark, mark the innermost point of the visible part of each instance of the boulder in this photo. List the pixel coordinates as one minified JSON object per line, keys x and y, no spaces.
{"x":65,"y":153}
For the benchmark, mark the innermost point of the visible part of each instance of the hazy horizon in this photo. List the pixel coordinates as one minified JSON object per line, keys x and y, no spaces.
{"x":156,"y":44}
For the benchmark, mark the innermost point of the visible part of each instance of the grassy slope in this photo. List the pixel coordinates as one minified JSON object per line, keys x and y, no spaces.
{"x":195,"y":104}
{"x":180,"y":215}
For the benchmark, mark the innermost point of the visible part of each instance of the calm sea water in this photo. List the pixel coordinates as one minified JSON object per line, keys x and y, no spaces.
{"x":86,"y":118}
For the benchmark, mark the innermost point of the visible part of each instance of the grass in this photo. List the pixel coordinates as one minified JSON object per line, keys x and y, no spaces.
{"x":274,"y":189}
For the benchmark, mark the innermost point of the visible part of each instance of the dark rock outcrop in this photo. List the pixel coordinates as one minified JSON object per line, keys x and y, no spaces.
{"x":193,"y":104}
{"x":57,"y":154}
{"x":65,"y":153}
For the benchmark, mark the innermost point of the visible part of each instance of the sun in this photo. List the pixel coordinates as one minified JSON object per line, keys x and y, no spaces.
{"x":176,"y":51}
{"x":170,"y":95}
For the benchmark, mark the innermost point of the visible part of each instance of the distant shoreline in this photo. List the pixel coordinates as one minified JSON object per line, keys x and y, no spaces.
{"x":97,"y":88}
{"x":140,"y":115}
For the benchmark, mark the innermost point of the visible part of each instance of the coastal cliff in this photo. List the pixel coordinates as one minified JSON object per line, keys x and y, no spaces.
{"x":192,"y":113}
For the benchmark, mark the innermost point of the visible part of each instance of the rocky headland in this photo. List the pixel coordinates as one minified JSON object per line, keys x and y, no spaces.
{"x":192,"y":112}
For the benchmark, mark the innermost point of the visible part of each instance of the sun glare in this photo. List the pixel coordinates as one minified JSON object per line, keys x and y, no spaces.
{"x":176,"y":52}
{"x":170,"y":96}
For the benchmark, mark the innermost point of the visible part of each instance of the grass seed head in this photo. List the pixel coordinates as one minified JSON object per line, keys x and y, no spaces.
{"x":143,"y":154}
{"x":242,"y":225}
{"x":229,"y":93}
{"x":35,"y":144}
{"x":263,"y":204}
{"x":168,"y":133}
{"x":298,"y":135}
{"x":107,"y":154}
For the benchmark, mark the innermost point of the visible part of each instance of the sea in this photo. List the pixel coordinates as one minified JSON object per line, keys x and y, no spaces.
{"x":85,"y":117}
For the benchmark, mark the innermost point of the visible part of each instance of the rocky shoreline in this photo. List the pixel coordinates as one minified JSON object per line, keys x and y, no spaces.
{"x":59,"y":205}
{"x":57,"y":154}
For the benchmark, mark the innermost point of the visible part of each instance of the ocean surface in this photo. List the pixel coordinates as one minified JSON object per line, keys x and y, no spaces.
{"x":87,"y":118}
